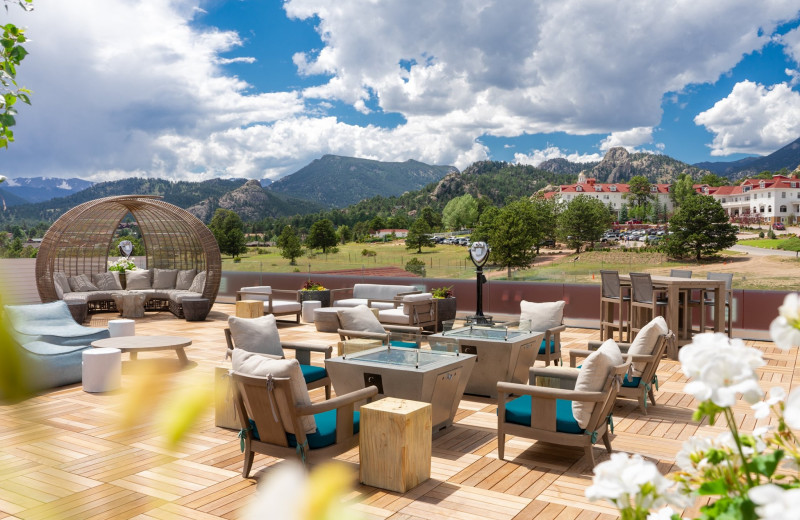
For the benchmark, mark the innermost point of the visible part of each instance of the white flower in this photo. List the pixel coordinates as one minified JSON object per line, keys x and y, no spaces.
{"x":2,"y":179}
{"x":785,"y":329}
{"x":662,"y":514}
{"x":776,"y":395}
{"x":721,"y":368}
{"x":693,"y":454}
{"x":621,"y":478}
{"x":776,"y":503}
{"x":791,"y":413}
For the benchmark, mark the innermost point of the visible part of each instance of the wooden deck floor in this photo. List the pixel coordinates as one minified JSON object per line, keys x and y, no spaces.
{"x":63,"y":454}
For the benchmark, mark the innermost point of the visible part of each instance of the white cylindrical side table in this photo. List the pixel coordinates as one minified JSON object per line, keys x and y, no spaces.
{"x":102,"y":369}
{"x":121,"y":327}
{"x":308,"y":310}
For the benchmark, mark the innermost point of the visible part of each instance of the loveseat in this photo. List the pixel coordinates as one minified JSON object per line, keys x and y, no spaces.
{"x":365,"y":293}
{"x":164,"y":289}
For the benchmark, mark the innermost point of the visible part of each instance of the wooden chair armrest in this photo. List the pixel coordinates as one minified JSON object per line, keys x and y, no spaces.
{"x":229,"y":340}
{"x":575,"y":354}
{"x":302,"y":351}
{"x":402,"y":328}
{"x":543,"y":392}
{"x":645,"y":358}
{"x":556,"y":330}
{"x":407,"y":293}
{"x":594,"y":345}
{"x":552,"y":372}
{"x":296,"y":294}
{"x":344,"y":334}
{"x":338,"y":401}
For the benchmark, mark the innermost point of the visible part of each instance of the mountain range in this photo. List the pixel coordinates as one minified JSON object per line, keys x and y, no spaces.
{"x":364,"y":186}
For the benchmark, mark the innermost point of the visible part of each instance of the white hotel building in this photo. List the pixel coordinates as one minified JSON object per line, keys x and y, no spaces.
{"x":766,"y":200}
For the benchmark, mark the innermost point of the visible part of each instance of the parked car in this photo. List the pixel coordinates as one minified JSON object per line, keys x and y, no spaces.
{"x":779,"y":226}
{"x":547,"y":242}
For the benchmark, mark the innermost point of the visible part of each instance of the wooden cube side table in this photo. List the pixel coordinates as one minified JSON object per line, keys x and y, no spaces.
{"x":395,"y":444}
{"x":249,"y":309}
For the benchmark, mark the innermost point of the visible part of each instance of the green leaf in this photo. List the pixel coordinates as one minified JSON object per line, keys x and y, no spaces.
{"x":714,"y":487}
{"x":766,"y":464}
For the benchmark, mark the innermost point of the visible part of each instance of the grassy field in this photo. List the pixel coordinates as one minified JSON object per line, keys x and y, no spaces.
{"x":449,"y":261}
{"x":765,"y":243}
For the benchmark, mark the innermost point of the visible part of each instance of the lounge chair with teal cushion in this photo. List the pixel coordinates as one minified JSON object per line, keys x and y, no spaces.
{"x":546,"y":413}
{"x":271,"y":421}
{"x":314,"y":376}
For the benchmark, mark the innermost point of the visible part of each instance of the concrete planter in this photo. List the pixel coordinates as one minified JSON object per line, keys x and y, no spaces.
{"x":322,"y":296}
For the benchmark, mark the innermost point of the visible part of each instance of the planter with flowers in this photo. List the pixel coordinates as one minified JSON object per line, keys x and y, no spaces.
{"x":121,"y":266}
{"x":446,"y":304}
{"x":746,"y":475}
{"x":315,"y":291}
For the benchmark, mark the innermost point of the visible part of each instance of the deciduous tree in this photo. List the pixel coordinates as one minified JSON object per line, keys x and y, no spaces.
{"x":460,"y":213}
{"x":639,"y":193}
{"x":321,"y":235}
{"x":228,"y":229}
{"x":11,"y":55}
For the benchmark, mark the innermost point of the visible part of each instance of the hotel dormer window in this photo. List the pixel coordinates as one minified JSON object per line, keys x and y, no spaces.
{"x":745,"y":188}
{"x":598,"y":188}
{"x":613,"y":187}
{"x":653,"y":189}
{"x":578,"y":188}
{"x":761,"y":184}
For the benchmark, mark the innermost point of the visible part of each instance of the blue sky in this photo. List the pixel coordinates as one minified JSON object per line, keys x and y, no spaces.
{"x":192,"y":89}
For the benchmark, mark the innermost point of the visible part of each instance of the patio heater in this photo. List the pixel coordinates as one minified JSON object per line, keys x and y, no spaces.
{"x":479,"y":253}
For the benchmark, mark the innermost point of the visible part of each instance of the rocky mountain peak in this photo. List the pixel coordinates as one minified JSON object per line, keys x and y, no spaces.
{"x":616,"y":156}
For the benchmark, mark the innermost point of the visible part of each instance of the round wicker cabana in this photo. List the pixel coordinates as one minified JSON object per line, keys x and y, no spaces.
{"x":79,"y":241}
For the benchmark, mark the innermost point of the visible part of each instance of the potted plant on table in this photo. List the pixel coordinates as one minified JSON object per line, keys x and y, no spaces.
{"x":315,"y":291}
{"x":446,"y":303}
{"x":121,"y":266}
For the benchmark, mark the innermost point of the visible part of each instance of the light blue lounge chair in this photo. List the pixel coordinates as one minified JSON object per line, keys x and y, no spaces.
{"x":50,"y":323}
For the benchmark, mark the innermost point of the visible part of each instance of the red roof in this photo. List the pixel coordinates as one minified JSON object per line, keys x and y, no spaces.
{"x":592,"y":187}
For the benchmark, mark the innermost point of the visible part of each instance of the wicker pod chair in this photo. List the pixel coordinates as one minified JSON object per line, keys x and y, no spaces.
{"x":79,"y":242}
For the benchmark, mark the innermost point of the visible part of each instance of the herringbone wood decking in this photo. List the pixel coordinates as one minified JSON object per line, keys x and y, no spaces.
{"x":64,"y":454}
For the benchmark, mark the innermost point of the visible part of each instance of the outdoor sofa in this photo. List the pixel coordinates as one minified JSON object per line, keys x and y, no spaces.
{"x":164,"y":289}
{"x":365,"y":293}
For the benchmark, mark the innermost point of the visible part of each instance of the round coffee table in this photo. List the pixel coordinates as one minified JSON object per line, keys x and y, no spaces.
{"x":135,"y":344}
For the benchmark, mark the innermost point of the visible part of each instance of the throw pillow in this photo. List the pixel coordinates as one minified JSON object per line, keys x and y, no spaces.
{"x":61,"y":282}
{"x":645,"y":342}
{"x":81,"y":283}
{"x":256,"y":335}
{"x":164,"y":278}
{"x":541,"y":316}
{"x":418,"y":297}
{"x":184,"y":279}
{"x":138,"y":279}
{"x":106,"y":282}
{"x":199,"y":283}
{"x":592,"y":377}
{"x":359,"y":318}
{"x":253,"y":364}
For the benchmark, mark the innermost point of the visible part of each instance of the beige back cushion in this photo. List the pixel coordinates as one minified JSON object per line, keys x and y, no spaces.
{"x":419,"y":297}
{"x":199,"y":283}
{"x":138,"y":279}
{"x":61,"y":282}
{"x":253,"y":364}
{"x":592,"y":377}
{"x":106,"y":282}
{"x":81,"y":283}
{"x":164,"y":278}
{"x":359,"y":318}
{"x":541,"y":316}
{"x":184,"y":279}
{"x":645,"y":342}
{"x":256,"y":335}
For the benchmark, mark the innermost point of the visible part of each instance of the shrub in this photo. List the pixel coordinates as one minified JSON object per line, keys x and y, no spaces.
{"x":760,"y":234}
{"x":416,"y":266}
{"x":368,"y":252}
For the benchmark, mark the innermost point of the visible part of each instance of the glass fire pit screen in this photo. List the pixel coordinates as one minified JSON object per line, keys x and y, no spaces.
{"x":401,"y":356}
{"x":491,"y":333}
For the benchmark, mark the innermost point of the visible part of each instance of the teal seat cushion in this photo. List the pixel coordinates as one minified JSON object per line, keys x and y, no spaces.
{"x":631,"y":383}
{"x":518,"y":411}
{"x":544,"y":346}
{"x":404,"y":344}
{"x":326,"y":430}
{"x":312,"y":373}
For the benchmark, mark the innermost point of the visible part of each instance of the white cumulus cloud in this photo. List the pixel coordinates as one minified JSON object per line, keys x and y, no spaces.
{"x":753,"y":119}
{"x":537,"y":157}
{"x":134,"y":87}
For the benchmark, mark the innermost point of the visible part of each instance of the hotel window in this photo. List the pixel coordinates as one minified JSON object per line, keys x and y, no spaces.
{"x":613,"y":188}
{"x":761,"y":185}
{"x":745,"y":188}
{"x":598,"y":188}
{"x":769,"y":195}
{"x":769,"y":209}
{"x":782,"y":209}
{"x":578,"y":188}
{"x":653,"y":189}
{"x":783,"y":194}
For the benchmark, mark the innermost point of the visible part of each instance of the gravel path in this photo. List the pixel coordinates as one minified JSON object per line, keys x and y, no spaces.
{"x":760,"y":251}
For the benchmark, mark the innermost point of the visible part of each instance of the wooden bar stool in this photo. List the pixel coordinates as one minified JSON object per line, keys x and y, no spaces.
{"x":706,"y":301}
{"x":684,"y":322}
{"x":611,"y":296}
{"x":645,"y":301}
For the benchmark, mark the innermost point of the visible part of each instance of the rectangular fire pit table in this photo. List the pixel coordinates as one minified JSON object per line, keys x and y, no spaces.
{"x":502,"y":354}
{"x":422,"y":375}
